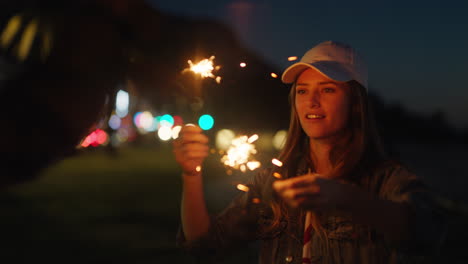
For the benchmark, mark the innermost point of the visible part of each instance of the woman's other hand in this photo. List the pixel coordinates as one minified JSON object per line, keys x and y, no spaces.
{"x":313,"y":191}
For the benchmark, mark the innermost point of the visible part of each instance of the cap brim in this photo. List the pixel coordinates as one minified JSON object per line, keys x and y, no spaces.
{"x":330,"y":69}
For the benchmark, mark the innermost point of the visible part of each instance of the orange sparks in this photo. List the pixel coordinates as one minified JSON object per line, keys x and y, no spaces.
{"x":277,"y":162}
{"x":242,"y":187}
{"x":274,"y":75}
{"x":252,"y":165}
{"x":277,"y":175}
{"x":292,"y":58}
{"x":243,"y":168}
{"x":255,"y":200}
{"x":252,"y":138}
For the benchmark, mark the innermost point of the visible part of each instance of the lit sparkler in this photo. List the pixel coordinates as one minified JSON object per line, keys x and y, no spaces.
{"x":239,"y":154}
{"x":204,"y":68}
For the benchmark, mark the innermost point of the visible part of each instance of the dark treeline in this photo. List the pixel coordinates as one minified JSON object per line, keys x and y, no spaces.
{"x":398,"y":124}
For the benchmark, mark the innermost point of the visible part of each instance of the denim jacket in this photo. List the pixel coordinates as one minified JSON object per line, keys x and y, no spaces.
{"x":348,"y":242}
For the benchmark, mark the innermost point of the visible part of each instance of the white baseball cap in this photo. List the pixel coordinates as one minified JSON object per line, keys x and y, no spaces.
{"x":336,"y":60}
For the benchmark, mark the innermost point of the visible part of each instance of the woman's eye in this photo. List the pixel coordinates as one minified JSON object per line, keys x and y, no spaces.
{"x":328,"y":90}
{"x":301,"y":91}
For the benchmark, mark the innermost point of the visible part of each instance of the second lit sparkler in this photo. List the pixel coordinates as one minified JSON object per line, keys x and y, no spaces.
{"x":239,"y":156}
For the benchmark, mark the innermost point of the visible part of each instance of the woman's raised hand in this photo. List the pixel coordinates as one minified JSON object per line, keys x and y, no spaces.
{"x":191,"y":149}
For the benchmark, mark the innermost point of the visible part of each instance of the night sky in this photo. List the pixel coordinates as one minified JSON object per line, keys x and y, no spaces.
{"x":417,"y":51}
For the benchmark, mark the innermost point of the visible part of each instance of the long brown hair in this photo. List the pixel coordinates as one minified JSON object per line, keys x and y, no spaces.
{"x":359,"y":150}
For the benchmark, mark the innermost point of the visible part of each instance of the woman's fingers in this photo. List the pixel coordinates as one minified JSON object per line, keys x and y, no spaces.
{"x":300,"y":191}
{"x":190,"y":137}
{"x":195,"y":153}
{"x":190,"y":149}
{"x":296,"y":182}
{"x":295,"y":196}
{"x":296,"y":193}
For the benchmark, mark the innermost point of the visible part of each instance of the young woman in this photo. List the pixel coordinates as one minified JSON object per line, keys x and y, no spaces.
{"x":338,"y":200}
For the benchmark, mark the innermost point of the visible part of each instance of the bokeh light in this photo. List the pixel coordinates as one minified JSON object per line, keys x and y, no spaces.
{"x":279,"y":139}
{"x":178,"y":121}
{"x":136,"y":118}
{"x":175,"y":131}
{"x":122,"y":135}
{"x":121,"y":104}
{"x":224,"y":138}
{"x":96,"y":138}
{"x":114,"y":122}
{"x":206,"y":122}
{"x":166,"y":121}
{"x":165,"y":133}
{"x":146,"y":121}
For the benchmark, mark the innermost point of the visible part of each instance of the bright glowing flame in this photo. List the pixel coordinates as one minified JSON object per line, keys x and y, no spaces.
{"x":243,"y":187}
{"x":292,"y":58}
{"x":274,"y":75}
{"x":243,"y":64}
{"x":240,"y":154}
{"x":277,"y":162}
{"x":204,"y":68}
{"x":198,"y":168}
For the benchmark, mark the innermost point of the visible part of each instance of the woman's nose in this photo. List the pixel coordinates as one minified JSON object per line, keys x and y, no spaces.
{"x":314,"y":100}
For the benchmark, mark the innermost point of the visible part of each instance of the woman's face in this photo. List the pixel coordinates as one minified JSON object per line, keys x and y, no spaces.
{"x":322,"y":104}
